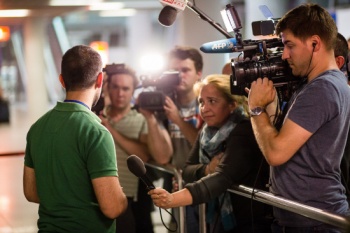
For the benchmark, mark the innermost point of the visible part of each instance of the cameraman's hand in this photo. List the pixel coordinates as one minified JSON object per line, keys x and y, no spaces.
{"x":146,"y":113}
{"x":261,"y":93}
{"x":171,"y":110}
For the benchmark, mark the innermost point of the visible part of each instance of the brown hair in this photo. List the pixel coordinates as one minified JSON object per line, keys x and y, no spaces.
{"x":307,"y":20}
{"x":80,"y":67}
{"x":183,"y":52}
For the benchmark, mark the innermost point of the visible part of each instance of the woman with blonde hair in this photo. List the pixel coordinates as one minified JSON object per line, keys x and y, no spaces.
{"x":224,"y":154}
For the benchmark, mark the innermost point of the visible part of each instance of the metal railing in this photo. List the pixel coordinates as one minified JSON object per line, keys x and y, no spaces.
{"x":292,"y":206}
{"x":261,"y":196}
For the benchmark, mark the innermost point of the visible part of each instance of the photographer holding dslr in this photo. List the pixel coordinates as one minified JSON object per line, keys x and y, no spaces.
{"x":305,"y":153}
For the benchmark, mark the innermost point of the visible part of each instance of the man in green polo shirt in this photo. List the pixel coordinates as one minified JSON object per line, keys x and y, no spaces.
{"x":70,"y":165}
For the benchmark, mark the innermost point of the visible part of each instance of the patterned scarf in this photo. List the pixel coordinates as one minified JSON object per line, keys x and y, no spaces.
{"x":212,"y":142}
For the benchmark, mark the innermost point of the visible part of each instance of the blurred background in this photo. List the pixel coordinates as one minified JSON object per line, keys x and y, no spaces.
{"x":34,"y":34}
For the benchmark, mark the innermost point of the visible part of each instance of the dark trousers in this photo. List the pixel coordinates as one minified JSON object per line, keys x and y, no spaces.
{"x":137,"y":218}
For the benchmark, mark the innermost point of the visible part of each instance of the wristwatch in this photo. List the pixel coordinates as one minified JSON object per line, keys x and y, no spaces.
{"x":256,"y":111}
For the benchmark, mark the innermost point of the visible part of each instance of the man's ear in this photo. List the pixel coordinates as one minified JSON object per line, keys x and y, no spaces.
{"x":340,"y":60}
{"x":199,"y":73}
{"x":99,"y":80}
{"x":62,"y":81}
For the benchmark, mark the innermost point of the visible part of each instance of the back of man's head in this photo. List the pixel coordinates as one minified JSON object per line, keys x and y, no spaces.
{"x":80,"y":67}
{"x":307,"y":20}
{"x":341,"y":48}
{"x":183,"y":53}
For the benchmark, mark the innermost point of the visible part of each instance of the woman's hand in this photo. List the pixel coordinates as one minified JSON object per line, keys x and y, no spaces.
{"x":214,"y":162}
{"x":161,"y":197}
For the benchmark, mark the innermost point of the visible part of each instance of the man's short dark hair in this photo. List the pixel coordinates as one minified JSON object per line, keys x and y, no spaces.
{"x":80,"y":67}
{"x":115,"y":69}
{"x":183,"y":52}
{"x":341,"y":47}
{"x":307,"y":20}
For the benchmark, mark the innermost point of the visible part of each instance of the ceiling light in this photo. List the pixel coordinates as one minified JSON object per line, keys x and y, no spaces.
{"x":73,"y":2}
{"x":14,"y":13}
{"x":105,"y":6}
{"x":118,"y":13}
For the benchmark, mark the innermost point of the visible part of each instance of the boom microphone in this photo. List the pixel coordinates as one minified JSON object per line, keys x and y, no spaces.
{"x":137,"y":167}
{"x":168,"y":14}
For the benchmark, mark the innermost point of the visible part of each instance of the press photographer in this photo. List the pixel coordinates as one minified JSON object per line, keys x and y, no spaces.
{"x":136,"y":133}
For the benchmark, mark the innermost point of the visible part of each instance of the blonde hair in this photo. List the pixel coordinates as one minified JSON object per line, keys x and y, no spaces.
{"x":222,"y":83}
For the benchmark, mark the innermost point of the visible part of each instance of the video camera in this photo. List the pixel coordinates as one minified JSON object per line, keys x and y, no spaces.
{"x":151,"y":100}
{"x":164,"y":86}
{"x":261,"y":58}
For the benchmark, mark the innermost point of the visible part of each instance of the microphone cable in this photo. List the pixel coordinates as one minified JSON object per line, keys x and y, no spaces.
{"x":172,"y":218}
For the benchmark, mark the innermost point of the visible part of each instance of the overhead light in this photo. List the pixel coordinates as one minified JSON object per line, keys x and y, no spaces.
{"x":105,"y":6}
{"x":151,"y":62}
{"x":14,"y":13}
{"x":118,"y":13}
{"x":73,"y":2}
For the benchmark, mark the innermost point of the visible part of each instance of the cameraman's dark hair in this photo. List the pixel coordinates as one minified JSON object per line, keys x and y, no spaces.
{"x":307,"y":20}
{"x":183,"y":52}
{"x":341,"y":47}
{"x":121,"y":68}
{"x":80,"y":67}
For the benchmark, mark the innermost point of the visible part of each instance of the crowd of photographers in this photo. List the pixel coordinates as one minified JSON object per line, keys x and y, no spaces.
{"x":219,"y":139}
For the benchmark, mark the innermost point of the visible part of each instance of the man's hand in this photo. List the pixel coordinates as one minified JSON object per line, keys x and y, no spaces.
{"x":261,"y":93}
{"x":171,"y":110}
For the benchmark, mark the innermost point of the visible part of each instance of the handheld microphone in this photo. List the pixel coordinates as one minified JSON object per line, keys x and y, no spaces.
{"x":137,"y":167}
{"x":168,"y":14}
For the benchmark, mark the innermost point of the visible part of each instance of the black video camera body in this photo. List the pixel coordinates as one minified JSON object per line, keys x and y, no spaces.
{"x":164,"y":86}
{"x":262,"y":58}
{"x":264,"y":61}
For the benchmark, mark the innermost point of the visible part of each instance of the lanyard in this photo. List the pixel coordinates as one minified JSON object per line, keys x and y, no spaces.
{"x":76,"y":101}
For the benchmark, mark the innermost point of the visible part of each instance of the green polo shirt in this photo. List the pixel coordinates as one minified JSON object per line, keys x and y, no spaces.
{"x":68,"y":147}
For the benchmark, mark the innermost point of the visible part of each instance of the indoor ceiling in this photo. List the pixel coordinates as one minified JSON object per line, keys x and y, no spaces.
{"x":52,"y":8}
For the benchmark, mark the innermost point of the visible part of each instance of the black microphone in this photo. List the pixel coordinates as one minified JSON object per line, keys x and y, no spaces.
{"x":168,"y":14}
{"x":137,"y":167}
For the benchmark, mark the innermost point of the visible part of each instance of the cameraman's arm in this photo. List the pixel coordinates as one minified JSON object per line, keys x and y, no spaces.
{"x":172,"y":113}
{"x":277,"y":146}
{"x":131,"y":146}
{"x":158,"y":139}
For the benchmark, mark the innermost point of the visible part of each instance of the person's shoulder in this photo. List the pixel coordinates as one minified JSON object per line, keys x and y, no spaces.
{"x":243,"y":127}
{"x":40,"y":122}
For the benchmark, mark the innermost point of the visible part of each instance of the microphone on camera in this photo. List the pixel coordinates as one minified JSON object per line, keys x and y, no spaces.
{"x":219,"y":46}
{"x":137,"y":167}
{"x":168,"y":14}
